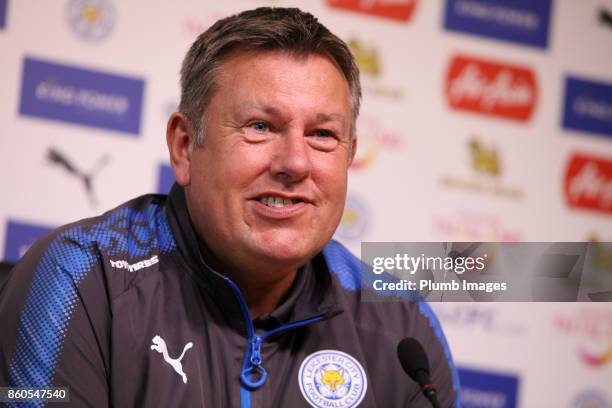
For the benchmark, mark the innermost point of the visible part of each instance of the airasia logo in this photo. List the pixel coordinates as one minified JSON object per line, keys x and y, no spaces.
{"x":490,"y":88}
{"x":400,"y":10}
{"x":588,"y":183}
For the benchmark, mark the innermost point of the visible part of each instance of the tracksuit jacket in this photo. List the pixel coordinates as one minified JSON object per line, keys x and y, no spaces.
{"x":124,"y":311}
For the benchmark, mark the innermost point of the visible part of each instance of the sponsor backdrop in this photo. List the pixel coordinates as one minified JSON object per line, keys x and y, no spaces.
{"x":481,"y":121}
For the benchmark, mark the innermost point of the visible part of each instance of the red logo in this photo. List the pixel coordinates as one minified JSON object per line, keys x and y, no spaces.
{"x":490,"y":88}
{"x":588,"y":183}
{"x":592,"y":329}
{"x":400,"y":10}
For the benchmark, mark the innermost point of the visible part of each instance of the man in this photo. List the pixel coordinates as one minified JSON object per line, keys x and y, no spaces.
{"x":229,"y":291}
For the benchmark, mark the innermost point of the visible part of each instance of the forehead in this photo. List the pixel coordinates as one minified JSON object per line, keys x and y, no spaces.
{"x":283,"y":77}
{"x":239,"y":59}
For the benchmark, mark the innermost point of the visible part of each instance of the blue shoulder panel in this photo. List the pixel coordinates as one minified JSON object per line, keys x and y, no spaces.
{"x":353,"y":274}
{"x":344,"y":265}
{"x":53,"y":293}
{"x":435,"y":325}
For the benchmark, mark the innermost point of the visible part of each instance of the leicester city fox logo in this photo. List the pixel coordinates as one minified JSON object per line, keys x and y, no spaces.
{"x":332,"y":381}
{"x":332,"y":378}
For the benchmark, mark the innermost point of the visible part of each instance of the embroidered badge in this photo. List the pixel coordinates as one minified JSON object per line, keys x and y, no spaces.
{"x":331,"y":378}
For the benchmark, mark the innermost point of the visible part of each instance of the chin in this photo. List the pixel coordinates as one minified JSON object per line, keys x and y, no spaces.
{"x":292,"y":253}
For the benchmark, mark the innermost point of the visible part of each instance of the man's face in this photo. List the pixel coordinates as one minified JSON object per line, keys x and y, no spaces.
{"x":267,"y":189}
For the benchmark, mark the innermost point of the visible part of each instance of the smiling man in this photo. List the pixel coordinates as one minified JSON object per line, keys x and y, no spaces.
{"x":266,"y":189}
{"x":230,"y":291}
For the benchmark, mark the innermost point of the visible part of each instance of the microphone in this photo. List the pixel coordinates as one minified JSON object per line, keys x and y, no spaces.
{"x":416,"y":364}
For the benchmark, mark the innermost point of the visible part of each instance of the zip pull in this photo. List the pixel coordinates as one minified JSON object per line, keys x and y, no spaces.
{"x":254,"y":366}
{"x":252,"y":360}
{"x":256,"y":351}
{"x":252,"y":363}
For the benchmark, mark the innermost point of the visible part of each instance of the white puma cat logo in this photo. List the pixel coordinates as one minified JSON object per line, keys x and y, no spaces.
{"x":160,"y":346}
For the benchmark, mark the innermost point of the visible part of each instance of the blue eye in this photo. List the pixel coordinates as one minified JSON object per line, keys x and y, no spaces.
{"x":260,"y":126}
{"x":323,"y":133}
{"x":325,"y":140}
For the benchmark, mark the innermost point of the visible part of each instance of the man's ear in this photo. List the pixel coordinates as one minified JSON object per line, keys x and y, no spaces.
{"x":180,"y":140}
{"x":353,"y":149}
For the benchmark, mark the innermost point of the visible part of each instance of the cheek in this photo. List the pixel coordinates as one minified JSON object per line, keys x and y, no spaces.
{"x":224,"y":171}
{"x":240,"y":167}
{"x":331,"y":178}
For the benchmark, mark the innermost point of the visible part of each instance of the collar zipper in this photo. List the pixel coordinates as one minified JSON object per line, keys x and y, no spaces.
{"x":253,"y":361}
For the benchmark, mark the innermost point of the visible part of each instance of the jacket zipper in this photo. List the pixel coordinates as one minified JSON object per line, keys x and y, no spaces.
{"x":253,"y":362}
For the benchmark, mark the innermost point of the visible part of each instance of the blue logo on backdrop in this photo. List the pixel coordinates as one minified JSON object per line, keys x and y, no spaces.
{"x":2,"y":14}
{"x":588,"y":106}
{"x":165,"y":179}
{"x":590,"y":399}
{"x":19,"y":237}
{"x":354,"y":222}
{"x":84,"y":97}
{"x":519,"y":21}
{"x":480,"y":389}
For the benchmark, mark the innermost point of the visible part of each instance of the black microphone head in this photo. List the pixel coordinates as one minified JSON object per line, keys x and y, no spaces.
{"x":412,"y":357}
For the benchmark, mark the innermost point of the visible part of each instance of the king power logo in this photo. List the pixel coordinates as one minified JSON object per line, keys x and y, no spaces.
{"x":523,"y":22}
{"x":588,"y":183}
{"x":588,"y":106}
{"x":2,"y":14}
{"x":491,"y":88}
{"x":399,"y":10}
{"x":20,"y":236}
{"x":77,"y":95}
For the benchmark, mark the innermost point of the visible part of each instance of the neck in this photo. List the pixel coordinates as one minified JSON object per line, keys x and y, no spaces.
{"x":264,"y":297}
{"x":263,"y":288}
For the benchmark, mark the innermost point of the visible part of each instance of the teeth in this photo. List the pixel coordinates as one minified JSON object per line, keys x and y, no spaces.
{"x":277,"y":202}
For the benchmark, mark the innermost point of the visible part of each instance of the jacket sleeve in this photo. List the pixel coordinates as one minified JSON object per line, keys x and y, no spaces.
{"x":53,"y":335}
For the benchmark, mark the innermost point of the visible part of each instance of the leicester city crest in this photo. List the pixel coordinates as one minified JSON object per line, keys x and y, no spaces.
{"x":91,"y":20}
{"x":331,"y":378}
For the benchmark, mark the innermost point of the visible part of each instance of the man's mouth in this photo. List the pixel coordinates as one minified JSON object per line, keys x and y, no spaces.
{"x":278,"y":202}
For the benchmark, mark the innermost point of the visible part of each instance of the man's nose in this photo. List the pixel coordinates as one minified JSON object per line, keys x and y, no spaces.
{"x":291,"y":161}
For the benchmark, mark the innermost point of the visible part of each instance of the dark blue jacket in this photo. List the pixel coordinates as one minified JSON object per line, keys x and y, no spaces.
{"x":123,"y":310}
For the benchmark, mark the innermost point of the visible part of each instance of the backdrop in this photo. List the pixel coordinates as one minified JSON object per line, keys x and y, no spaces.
{"x":481,"y":121}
